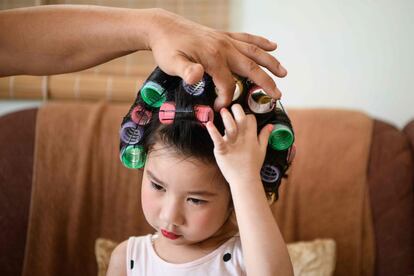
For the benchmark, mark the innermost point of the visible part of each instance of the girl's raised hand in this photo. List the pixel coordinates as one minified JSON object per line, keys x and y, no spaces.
{"x":240,"y":152}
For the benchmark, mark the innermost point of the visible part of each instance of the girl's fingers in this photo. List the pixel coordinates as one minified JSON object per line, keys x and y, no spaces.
{"x":239,"y":116}
{"x":215,"y":135}
{"x":229,"y":124}
{"x":251,"y":122}
{"x":264,"y":137}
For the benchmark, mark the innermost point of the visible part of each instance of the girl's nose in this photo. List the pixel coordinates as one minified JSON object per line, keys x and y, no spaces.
{"x":171,"y":212}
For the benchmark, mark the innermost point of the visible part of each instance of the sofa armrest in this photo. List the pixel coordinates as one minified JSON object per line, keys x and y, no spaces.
{"x":17,"y":136}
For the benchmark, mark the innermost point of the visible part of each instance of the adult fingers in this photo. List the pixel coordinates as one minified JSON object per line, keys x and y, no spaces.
{"x":223,"y":80}
{"x":259,"y":41}
{"x":261,"y":57}
{"x":244,"y":66}
{"x":183,"y":67}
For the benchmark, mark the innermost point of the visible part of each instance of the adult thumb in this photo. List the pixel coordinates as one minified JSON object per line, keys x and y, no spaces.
{"x":189,"y":71}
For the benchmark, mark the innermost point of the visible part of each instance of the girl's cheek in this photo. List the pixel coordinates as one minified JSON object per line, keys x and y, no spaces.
{"x":148,"y":200}
{"x":204,"y":220}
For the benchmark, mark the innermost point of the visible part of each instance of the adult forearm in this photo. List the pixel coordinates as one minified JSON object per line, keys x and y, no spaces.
{"x":264,"y":250}
{"x":65,"y":38}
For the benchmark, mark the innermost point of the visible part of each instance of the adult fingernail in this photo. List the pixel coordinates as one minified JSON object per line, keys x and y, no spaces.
{"x":283,"y":69}
{"x":277,"y":92}
{"x":217,"y":106}
{"x":273,"y":43}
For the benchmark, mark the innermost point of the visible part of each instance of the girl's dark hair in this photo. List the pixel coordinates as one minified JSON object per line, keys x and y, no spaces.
{"x":189,"y":138}
{"x":185,"y":135}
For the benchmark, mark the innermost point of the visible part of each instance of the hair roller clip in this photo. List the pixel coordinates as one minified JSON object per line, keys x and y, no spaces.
{"x":195,"y":89}
{"x":133,"y":156}
{"x":270,"y":173}
{"x":153,"y":90}
{"x":166,"y":113}
{"x":238,"y":90}
{"x":131,"y":133}
{"x":203,"y":113}
{"x":140,"y":115}
{"x":258,"y":101}
{"x":282,"y":136}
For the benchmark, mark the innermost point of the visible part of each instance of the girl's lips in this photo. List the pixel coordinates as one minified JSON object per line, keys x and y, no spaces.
{"x":169,"y":235}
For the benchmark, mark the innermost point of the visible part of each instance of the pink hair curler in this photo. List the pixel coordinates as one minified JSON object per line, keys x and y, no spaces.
{"x":204,"y":114}
{"x":167,"y":113}
{"x":140,"y":115}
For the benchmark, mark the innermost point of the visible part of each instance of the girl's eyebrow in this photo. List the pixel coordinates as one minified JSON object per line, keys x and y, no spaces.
{"x":200,"y":193}
{"x":155,"y":178}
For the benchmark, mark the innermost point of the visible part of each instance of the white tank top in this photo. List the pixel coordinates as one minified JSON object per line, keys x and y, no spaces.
{"x":143,"y":260}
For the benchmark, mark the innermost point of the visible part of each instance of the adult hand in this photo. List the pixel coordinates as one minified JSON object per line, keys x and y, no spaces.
{"x":187,"y":49}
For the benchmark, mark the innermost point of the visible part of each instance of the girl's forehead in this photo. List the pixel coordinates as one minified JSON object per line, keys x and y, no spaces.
{"x":170,"y":167}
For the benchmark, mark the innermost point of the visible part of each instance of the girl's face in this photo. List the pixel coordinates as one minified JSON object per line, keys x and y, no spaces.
{"x":185,"y":200}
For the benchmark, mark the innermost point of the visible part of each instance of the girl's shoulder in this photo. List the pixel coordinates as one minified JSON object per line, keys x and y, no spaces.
{"x":117,"y":264}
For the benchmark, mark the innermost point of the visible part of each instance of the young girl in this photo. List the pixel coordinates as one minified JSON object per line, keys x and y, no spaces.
{"x":205,"y":187}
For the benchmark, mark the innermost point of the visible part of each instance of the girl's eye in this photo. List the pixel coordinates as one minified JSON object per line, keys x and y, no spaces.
{"x":157,"y":187}
{"x":196,"y":201}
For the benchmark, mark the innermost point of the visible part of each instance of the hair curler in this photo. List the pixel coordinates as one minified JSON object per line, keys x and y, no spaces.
{"x":131,"y":133}
{"x":238,"y":90}
{"x":140,"y":115}
{"x":133,"y":156}
{"x":258,"y":101}
{"x":153,"y":90}
{"x":270,"y":173}
{"x":273,"y":169}
{"x":195,"y":89}
{"x":167,"y":112}
{"x":282,"y":136}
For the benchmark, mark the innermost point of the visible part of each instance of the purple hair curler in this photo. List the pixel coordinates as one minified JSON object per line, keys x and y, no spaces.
{"x":131,"y":133}
{"x":270,"y":173}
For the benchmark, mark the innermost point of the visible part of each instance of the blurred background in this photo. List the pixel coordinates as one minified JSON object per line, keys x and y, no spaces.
{"x":354,"y":54}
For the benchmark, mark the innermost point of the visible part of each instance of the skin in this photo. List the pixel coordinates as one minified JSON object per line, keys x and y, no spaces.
{"x":57,"y":39}
{"x":169,"y":203}
{"x":264,"y":250}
